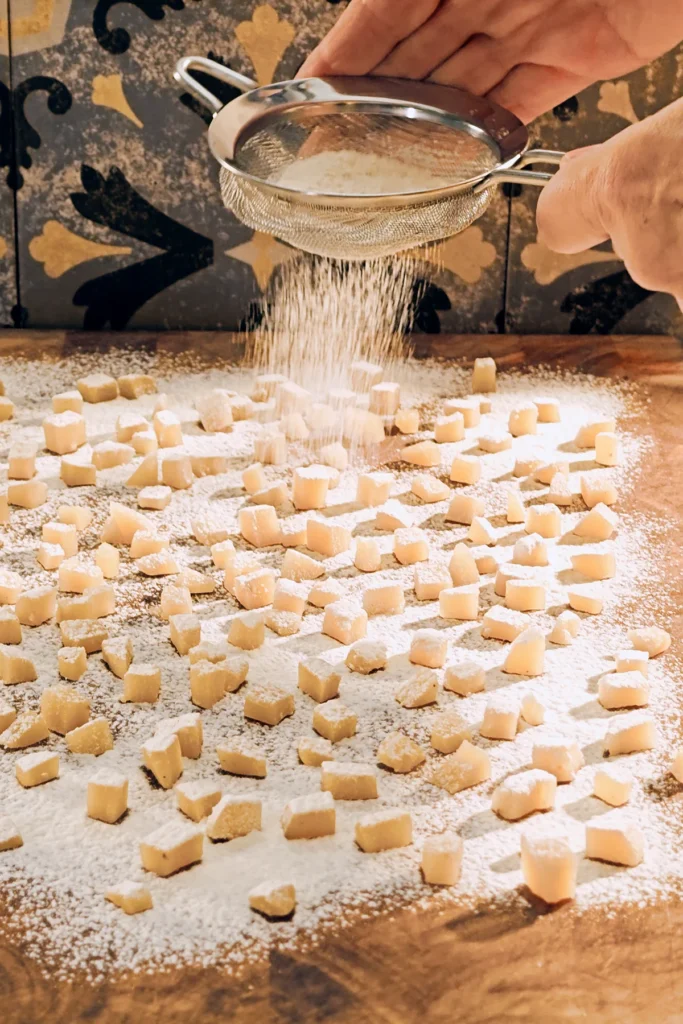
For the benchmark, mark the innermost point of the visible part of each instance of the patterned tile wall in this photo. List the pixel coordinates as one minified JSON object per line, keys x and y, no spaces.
{"x":118,"y":218}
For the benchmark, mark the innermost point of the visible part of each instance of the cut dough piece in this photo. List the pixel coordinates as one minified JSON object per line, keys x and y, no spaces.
{"x":26,"y":730}
{"x":442,"y":859}
{"x":62,"y":708}
{"x":400,"y":753}
{"x":598,"y":563}
{"x":373,"y":489}
{"x":545,"y":520}
{"x":385,"y":398}
{"x":234,"y":816}
{"x":141,"y":683}
{"x":467,"y":767}
{"x":108,"y":454}
{"x":255,"y":589}
{"x":94,"y":738}
{"x":411,"y":545}
{"x":135,"y":385}
{"x":107,"y":798}
{"x":347,"y":780}
{"x":384,"y":830}
{"x":318,"y":679}
{"x":107,"y":561}
{"x":393,"y":516}
{"x":428,"y":647}
{"x":420,"y":689}
{"x":274,"y":899}
{"x":145,"y":543}
{"x":171,"y":847}
{"x":526,"y":465}
{"x":613,"y":784}
{"x":481,"y":532}
{"x":176,"y":470}
{"x":11,"y":586}
{"x":36,"y":768}
{"x":147,"y":475}
{"x":118,"y":655}
{"x":633,"y":661}
{"x":64,"y":432}
{"x":429,"y":579}
{"x":463,"y":509}
{"x":271,"y":449}
{"x":283,"y":623}
{"x":345,"y":621}
{"x":215,"y":411}
{"x":63,"y":534}
{"x":309,"y":817}
{"x":10,"y":836}
{"x":565,"y":629}
{"x":523,"y":419}
{"x":67,"y":401}
{"x":483,"y":377}
{"x":560,"y":491}
{"x":298,"y":566}
{"x":407,"y":421}
{"x":10,"y":627}
{"x":465,"y":469}
{"x":429,"y":488}
{"x":449,"y":428}
{"x":293,"y":532}
{"x":240,"y":757}
{"x":8,"y":713}
{"x":324,"y":593}
{"x":509,"y":571}
{"x":615,"y":838}
{"x":188,"y":728}
{"x":197,"y":799}
{"x":559,"y":756}
{"x":520,"y":795}
{"x":464,"y":677}
{"x":525,"y":595}
{"x":462,"y":566}
{"x":128,"y":424}
{"x":83,"y":633}
{"x":530,"y":551}
{"x":276,"y":495}
{"x":162,"y":756}
{"x":423,"y":453}
{"x":547,"y":471}
{"x":448,"y":731}
{"x":548,"y":410}
{"x":460,"y":602}
{"x":290,"y":596}
{"x":607,"y":448}
{"x":268,"y":704}
{"x":247,"y":631}
{"x":623,"y":690}
{"x":168,"y":429}
{"x":334,"y":721}
{"x":174,"y":600}
{"x":598,"y":489}
{"x":75,"y":577}
{"x":630,"y":732}
{"x":259,"y":525}
{"x":75,"y":515}
{"x":526,"y":656}
{"x":587,"y":434}
{"x":309,"y":487}
{"x":185,"y":632}
{"x":652,"y":639}
{"x":549,"y":867}
{"x":367,"y":557}
{"x":15,"y":667}
{"x":327,"y":539}
{"x":36,"y":606}
{"x":314,"y":750}
{"x":501,"y":717}
{"x":501,"y":623}
{"x":98,"y":387}
{"x":586,"y":597}
{"x":495,"y":441}
{"x":532,"y":711}
{"x":28,"y":494}
{"x":469,"y":408}
{"x":516,"y":513}
{"x":366,"y":656}
{"x":207,"y":683}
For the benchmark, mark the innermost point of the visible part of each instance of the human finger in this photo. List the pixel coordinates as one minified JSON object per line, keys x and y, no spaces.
{"x":570,"y":214}
{"x":530,"y":90}
{"x":479,"y":66}
{"x":448,"y":28}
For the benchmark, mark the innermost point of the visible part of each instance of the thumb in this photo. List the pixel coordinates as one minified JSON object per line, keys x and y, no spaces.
{"x":568,"y":214}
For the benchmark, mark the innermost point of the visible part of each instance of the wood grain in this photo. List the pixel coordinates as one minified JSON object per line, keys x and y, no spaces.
{"x":516,"y":963}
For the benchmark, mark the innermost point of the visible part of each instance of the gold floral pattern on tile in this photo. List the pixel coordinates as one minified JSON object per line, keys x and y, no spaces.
{"x":263,"y":254}
{"x":547,"y":266}
{"x":60,"y":250}
{"x":36,"y":24}
{"x":4,"y":248}
{"x":466,"y":255}
{"x":615,"y":98}
{"x":107,"y":91}
{"x":265,"y":39}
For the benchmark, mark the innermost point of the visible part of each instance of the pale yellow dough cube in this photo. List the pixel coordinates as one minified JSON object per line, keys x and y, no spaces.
{"x":366,"y":656}
{"x":430,"y":578}
{"x":411,"y":545}
{"x":531,"y":551}
{"x":215,"y":411}
{"x":75,"y":576}
{"x":484,"y":375}
{"x":148,"y":474}
{"x":118,"y":655}
{"x":607,"y":448}
{"x":630,"y":732}
{"x":423,"y":453}
{"x":10,"y":836}
{"x":75,"y":515}
{"x":465,"y":469}
{"x":239,"y":757}
{"x":36,"y":606}
{"x":25,"y":730}
{"x":502,"y":623}
{"x":222,"y":554}
{"x":275,"y":496}
{"x":501,"y":717}
{"x":525,"y":595}
{"x":208,"y":651}
{"x":481,"y":532}
{"x":531,"y":710}
{"x":548,"y":410}
{"x":108,"y":454}
{"x":309,"y":817}
{"x":495,"y":441}
{"x":107,"y":798}
{"x":134,"y":385}
{"x":95,"y":737}
{"x":429,"y":488}
{"x":442,"y":859}
{"x":633,"y":661}
{"x":15,"y":667}
{"x":558,"y":755}
{"x":516,"y":513}
{"x":367,"y":556}
{"x":614,"y":838}
{"x":266,"y":385}
{"x":325,"y":592}
{"x":21,"y":461}
{"x":161,"y":755}
{"x":384,"y":830}
{"x":269,"y":704}
{"x":652,"y":639}
{"x":545,"y":520}
{"x":255,"y":589}
{"x":400,"y":753}
{"x":141,"y":683}
{"x":8,"y":713}
{"x":510,"y":571}
{"x":460,"y":602}
{"x":290,"y":596}
{"x":67,"y":401}
{"x":234,"y":816}
{"x":523,"y":419}
{"x":240,"y":565}
{"x":309,"y":487}
{"x":428,"y":647}
{"x":385,"y":398}
{"x":247,"y":631}
{"x":560,"y":490}
{"x":586,"y":597}
{"x":334,"y":721}
{"x":378,"y":599}
{"x":469,"y":408}
{"x":526,"y":656}
{"x":253,"y":478}
{"x":98,"y":387}
{"x":448,"y":429}
{"x":128,"y":424}
{"x":599,"y":563}
{"x":36,"y":768}
{"x":168,"y":429}
{"x":176,"y":471}
{"x":345,"y":621}
{"x":613,"y":784}
{"x":546,"y":472}
{"x":599,"y":524}
{"x":27,"y":493}
{"x":259,"y":525}
{"x":298,"y":566}
{"x":185,"y":632}
{"x":347,"y":780}
{"x":130,"y":897}
{"x":464,"y":678}
{"x":273,"y":899}
{"x":464,"y":508}
{"x":419,"y":690}
{"x":373,"y":489}
{"x":566,"y":628}
{"x":326,"y":538}
{"x":6,"y":409}
{"x":407,"y":421}
{"x":524,"y":793}
{"x":197,"y":799}
{"x":549,"y":867}
{"x":314,"y":750}
{"x":83,"y":633}
{"x":188,"y":728}
{"x":174,"y":600}
{"x":623,"y":690}
{"x":171,"y":847}
{"x":271,"y":449}
{"x":145,"y":443}
{"x":207,"y":683}
{"x":293,"y":532}
{"x":107,"y":560}
{"x":62,"y":708}
{"x":598,"y":489}
{"x":393,"y":516}
{"x":587,"y":434}
{"x":64,"y":432}
{"x":76,"y":471}
{"x":318,"y":679}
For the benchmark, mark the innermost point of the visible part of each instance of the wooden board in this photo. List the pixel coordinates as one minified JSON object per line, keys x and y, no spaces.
{"x":524,"y":963}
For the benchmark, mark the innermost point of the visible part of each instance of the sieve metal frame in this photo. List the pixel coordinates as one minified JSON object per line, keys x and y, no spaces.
{"x":498,"y":128}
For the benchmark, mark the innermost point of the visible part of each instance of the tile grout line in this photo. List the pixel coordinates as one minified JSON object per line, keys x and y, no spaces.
{"x":14,"y":152}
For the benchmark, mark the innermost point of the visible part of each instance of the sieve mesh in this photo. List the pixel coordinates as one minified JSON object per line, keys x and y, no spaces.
{"x":359,"y":154}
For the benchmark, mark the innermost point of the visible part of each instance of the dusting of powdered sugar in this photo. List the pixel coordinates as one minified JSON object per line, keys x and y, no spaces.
{"x":56,"y":880}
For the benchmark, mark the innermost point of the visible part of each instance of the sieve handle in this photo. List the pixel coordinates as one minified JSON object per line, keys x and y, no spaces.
{"x":183,"y":75}
{"x":518,"y":175}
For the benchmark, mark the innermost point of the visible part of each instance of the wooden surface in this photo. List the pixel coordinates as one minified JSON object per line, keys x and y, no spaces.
{"x":522,"y":964}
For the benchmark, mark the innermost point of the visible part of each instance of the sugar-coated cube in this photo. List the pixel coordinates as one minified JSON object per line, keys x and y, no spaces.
{"x":318,"y":679}
{"x":95,"y":737}
{"x":373,"y":489}
{"x":313,"y":750}
{"x":347,"y":780}
{"x":501,"y":717}
{"x":309,"y":817}
{"x":171,"y":847}
{"x":62,"y":708}
{"x":523,"y":419}
{"x":10,"y":836}
{"x":367,"y":556}
{"x":460,"y":602}
{"x":502,"y":623}
{"x":423,"y":453}
{"x":268,"y":704}
{"x":383,"y":599}
{"x":25,"y":730}
{"x":36,"y":768}
{"x":450,"y":428}
{"x":442,"y":859}
{"x":141,"y":683}
{"x":118,"y":655}
{"x":384,"y":830}
{"x":525,"y":595}
{"x":464,"y":677}
{"x":247,"y":630}
{"x":207,"y":683}
{"x":400,"y":753}
{"x":549,"y":867}
{"x":197,"y":799}
{"x":36,"y":606}
{"x":239,"y":757}
{"x":429,"y":579}
{"x":532,"y":711}
{"x":188,"y":728}
{"x":366,"y":656}
{"x":162,"y":756}
{"x":429,"y":488}
{"x":586,"y":597}
{"x":274,"y":899}
{"x":633,"y":731}
{"x":345,"y":621}
{"x":526,"y":656}
{"x":420,"y":689}
{"x":558,"y":755}
{"x":428,"y":647}
{"x":334,"y":721}
{"x":615,"y":838}
{"x":327,"y":539}
{"x":524,"y":793}
{"x":107,"y":796}
{"x":448,"y":731}
{"x":652,"y":639}
{"x":612,"y":784}
{"x":623,"y":690}
{"x":64,"y":432}
{"x":411,"y":545}
{"x":234,"y":816}
{"x":298,"y":566}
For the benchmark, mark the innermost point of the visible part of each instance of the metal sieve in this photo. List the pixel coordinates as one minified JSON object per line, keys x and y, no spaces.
{"x":355,"y":168}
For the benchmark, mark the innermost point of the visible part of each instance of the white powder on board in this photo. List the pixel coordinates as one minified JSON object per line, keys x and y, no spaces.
{"x":55,"y":882}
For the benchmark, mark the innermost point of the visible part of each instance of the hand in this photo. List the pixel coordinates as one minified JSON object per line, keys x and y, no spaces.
{"x":628,"y":190}
{"x":527,"y":55}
